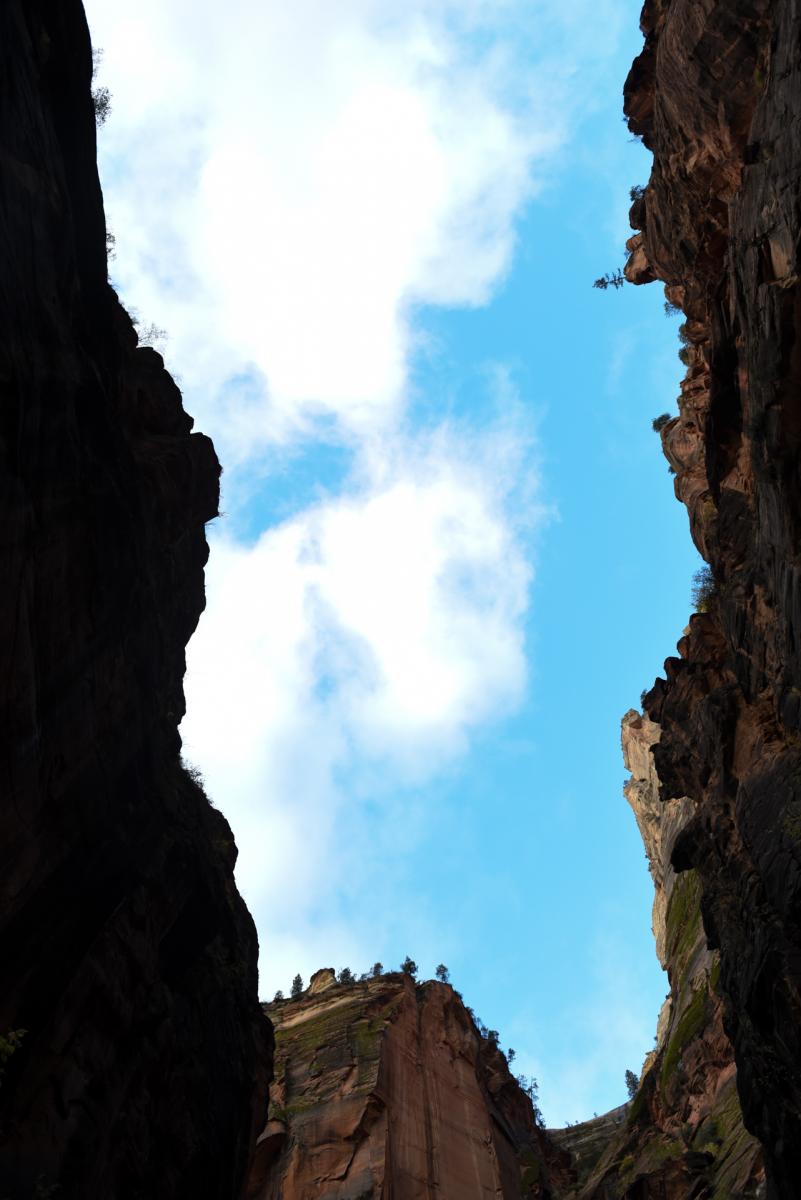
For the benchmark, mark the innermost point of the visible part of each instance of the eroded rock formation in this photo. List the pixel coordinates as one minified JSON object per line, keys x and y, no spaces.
{"x":716,"y":95}
{"x":127,"y":956}
{"x":683,"y":1134}
{"x":385,"y":1088}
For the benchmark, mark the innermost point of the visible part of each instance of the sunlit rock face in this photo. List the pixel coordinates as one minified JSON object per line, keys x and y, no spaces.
{"x":682,"y":1135}
{"x":659,"y":823}
{"x":128,"y":958}
{"x":716,"y":95}
{"x":322,"y":980}
{"x":385,"y":1088}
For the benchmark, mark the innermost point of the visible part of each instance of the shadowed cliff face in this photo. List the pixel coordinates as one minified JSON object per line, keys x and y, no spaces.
{"x":716,"y":95}
{"x":385,"y":1088}
{"x":127,"y":955}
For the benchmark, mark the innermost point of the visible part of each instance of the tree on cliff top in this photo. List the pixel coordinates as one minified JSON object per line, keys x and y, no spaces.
{"x":297,"y":987}
{"x":704,"y":590}
{"x":346,"y":976}
{"x":101,"y":96}
{"x":443,"y":974}
{"x":409,"y":966}
{"x":529,"y":1085}
{"x":632,"y":1083}
{"x":614,"y":280}
{"x":377,"y":969}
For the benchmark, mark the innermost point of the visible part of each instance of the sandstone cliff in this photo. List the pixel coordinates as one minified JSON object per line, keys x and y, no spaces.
{"x":716,"y":95}
{"x":385,"y":1088}
{"x":128,"y":958}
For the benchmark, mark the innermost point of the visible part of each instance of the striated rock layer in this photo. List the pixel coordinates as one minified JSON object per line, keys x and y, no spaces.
{"x":386,"y":1089}
{"x":127,"y":956}
{"x":716,"y":95}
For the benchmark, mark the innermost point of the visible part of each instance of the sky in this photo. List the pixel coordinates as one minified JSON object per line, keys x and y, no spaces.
{"x":449,"y":557}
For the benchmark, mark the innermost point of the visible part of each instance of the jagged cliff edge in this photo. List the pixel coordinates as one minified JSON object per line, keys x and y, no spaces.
{"x":716,"y":96}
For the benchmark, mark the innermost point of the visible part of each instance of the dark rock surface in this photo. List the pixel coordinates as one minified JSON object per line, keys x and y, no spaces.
{"x":716,"y":95}
{"x":126,"y":952}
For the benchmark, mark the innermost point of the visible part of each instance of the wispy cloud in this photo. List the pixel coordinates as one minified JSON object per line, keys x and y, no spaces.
{"x":360,"y":641}
{"x":290,"y":184}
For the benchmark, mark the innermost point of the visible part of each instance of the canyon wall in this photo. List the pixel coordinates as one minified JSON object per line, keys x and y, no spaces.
{"x":716,"y":96}
{"x":134,"y":1059}
{"x":386,"y":1088}
{"x":682,"y":1135}
{"x":134,"y":1055}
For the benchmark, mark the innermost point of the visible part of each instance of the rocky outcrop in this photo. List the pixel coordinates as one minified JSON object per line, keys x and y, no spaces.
{"x":683,"y":1133}
{"x":586,"y":1142}
{"x":133,"y":1050}
{"x":659,"y":823}
{"x":386,"y":1088}
{"x":716,"y":95}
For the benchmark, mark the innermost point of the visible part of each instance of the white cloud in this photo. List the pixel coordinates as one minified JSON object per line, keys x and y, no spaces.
{"x":289,"y":187}
{"x":287,"y":184}
{"x":366,"y":637}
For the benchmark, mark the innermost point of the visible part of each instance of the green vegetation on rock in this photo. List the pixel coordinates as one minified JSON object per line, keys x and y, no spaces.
{"x":532,"y":1170}
{"x":9,"y":1044}
{"x":683,"y":922}
{"x":704,"y":590}
{"x":636,"y":1107}
{"x":714,"y":974}
{"x":690,"y":1025}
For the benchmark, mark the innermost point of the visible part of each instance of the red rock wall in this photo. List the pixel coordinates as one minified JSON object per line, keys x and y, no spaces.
{"x":385,"y":1089}
{"x":126,"y":953}
{"x":716,"y":95}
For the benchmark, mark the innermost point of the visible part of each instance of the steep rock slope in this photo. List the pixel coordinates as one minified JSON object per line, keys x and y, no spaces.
{"x":127,"y":956}
{"x":385,"y":1088}
{"x":716,"y":95}
{"x":683,"y":1134}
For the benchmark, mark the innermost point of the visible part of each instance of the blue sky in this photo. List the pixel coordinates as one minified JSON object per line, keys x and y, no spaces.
{"x":451,"y":557}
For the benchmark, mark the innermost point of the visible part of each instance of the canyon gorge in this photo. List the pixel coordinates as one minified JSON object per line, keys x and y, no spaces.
{"x":136,"y":1062}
